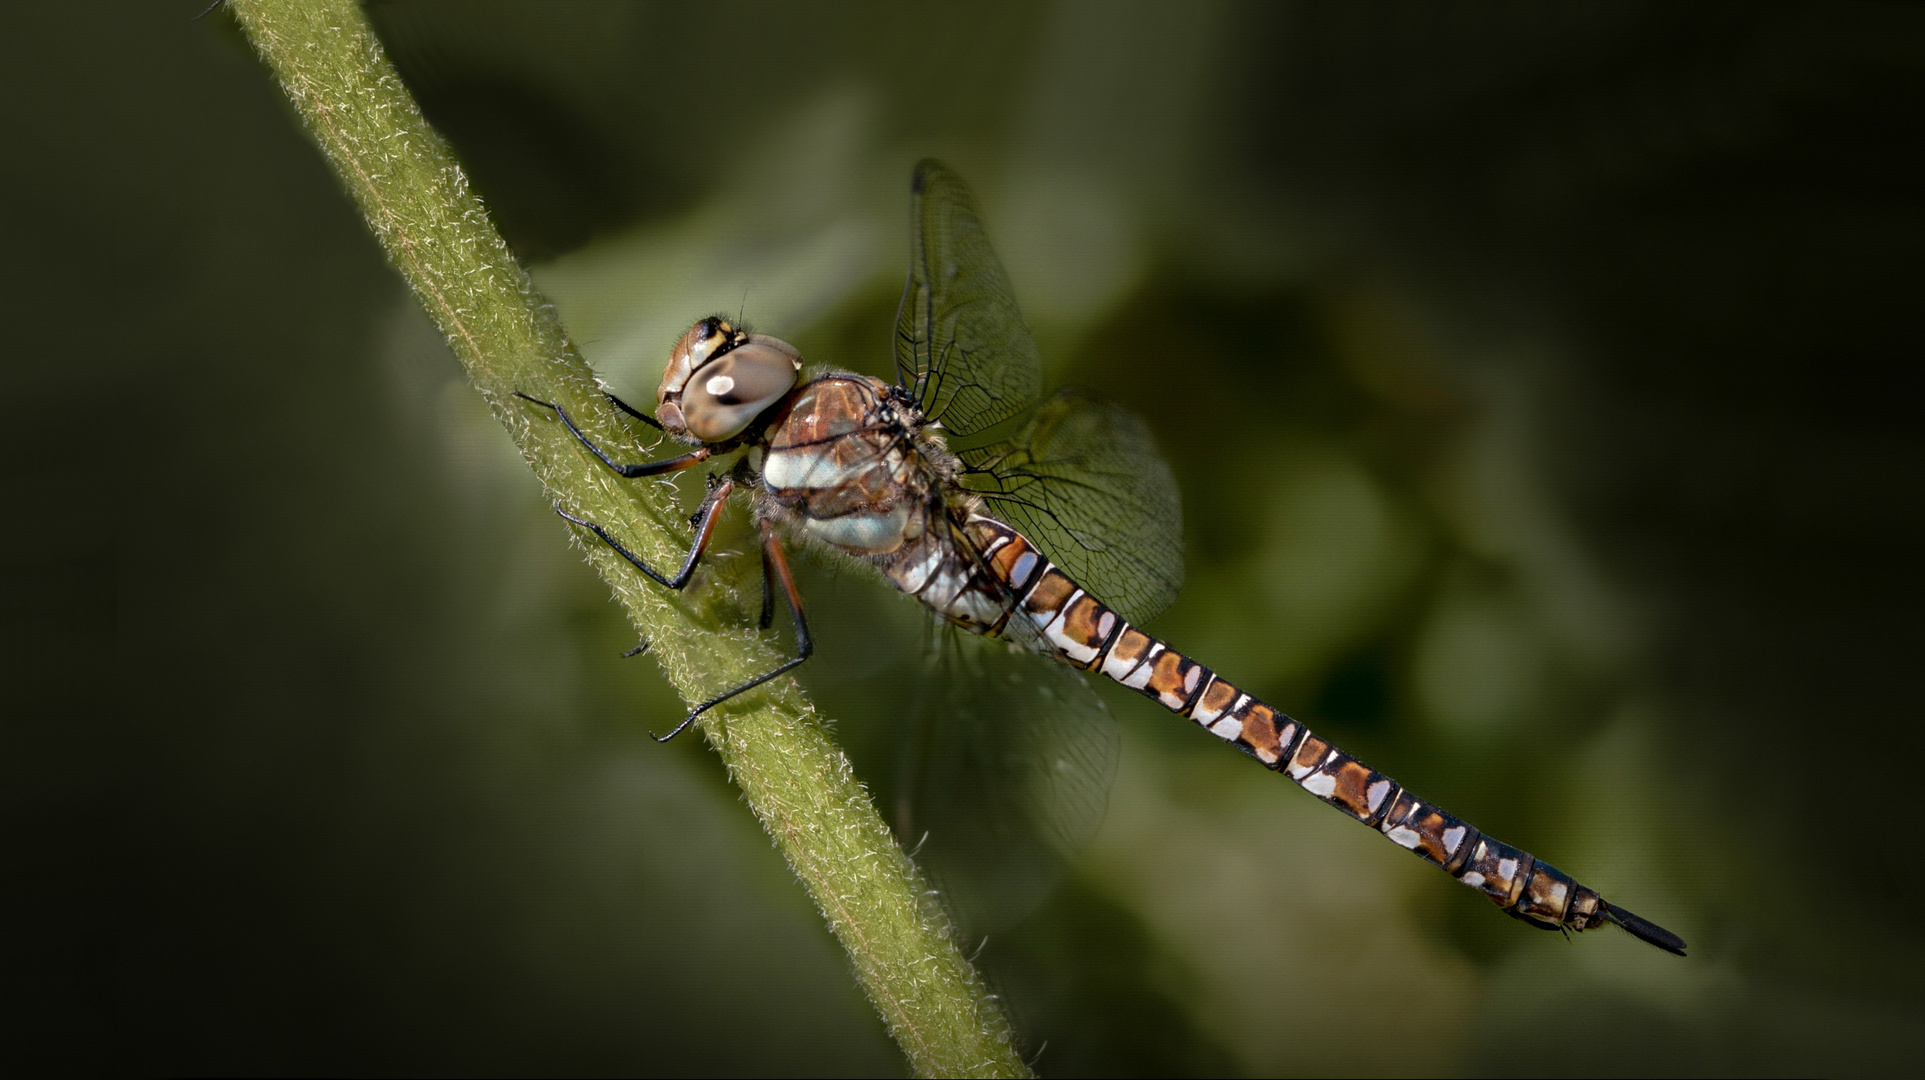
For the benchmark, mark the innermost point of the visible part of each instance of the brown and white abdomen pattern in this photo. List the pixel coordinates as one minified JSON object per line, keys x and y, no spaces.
{"x":1092,"y":636}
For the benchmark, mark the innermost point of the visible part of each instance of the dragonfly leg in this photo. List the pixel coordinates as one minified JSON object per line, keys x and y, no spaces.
{"x":768,"y":592}
{"x":778,"y":562}
{"x":645,"y":468}
{"x":704,"y":528}
{"x":632,"y":411}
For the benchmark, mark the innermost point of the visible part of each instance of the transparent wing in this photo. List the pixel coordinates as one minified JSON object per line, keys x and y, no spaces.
{"x":992,"y":759}
{"x":1004,"y":778}
{"x":1084,"y":482}
{"x":961,"y":345}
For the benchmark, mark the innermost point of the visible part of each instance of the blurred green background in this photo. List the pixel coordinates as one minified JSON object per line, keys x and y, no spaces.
{"x":1535,"y":377}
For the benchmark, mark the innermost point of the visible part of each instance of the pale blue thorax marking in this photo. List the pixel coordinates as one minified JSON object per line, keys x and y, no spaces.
{"x":807,"y":468}
{"x":871,"y":533}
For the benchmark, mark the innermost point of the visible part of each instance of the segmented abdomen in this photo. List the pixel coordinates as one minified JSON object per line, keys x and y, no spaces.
{"x":1091,"y":636}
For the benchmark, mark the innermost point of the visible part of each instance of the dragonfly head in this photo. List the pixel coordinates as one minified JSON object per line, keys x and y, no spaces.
{"x":720,"y":378}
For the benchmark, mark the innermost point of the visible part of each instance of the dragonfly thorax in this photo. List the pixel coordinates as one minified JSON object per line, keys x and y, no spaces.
{"x":720,"y":378}
{"x":848,"y":464}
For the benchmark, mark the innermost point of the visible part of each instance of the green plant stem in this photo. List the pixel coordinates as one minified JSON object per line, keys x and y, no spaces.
{"x":506,"y":336}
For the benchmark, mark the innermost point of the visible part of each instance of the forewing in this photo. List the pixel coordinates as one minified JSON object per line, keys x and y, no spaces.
{"x":1084,"y":482}
{"x":961,"y":345}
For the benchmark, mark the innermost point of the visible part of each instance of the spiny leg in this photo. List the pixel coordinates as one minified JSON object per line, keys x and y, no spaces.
{"x":704,"y":528}
{"x":778,"y":561}
{"x":768,"y":593}
{"x":645,"y":468}
{"x":631,"y":410}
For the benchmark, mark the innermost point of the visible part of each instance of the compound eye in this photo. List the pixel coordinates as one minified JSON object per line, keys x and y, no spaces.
{"x":702,"y":341}
{"x":726,"y":394}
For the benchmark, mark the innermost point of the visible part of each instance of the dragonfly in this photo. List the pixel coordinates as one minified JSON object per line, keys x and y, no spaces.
{"x":1056,"y":531}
